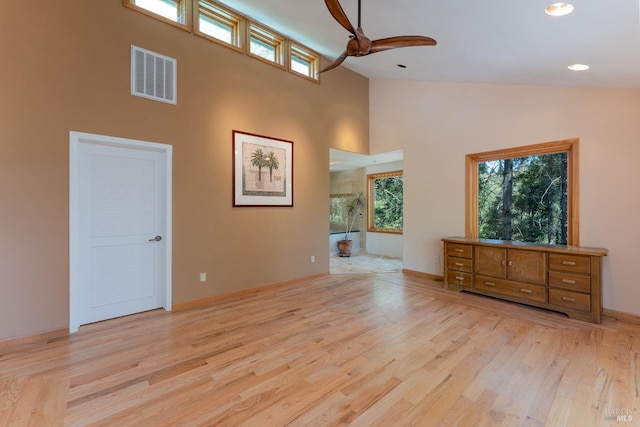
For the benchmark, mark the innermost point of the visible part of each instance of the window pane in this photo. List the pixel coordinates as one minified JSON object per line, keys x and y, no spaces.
{"x":166,"y":8}
{"x":216,"y":29}
{"x":300,"y":66}
{"x":304,"y":61}
{"x":388,"y":202}
{"x":524,"y":199}
{"x":263,"y":50}
{"x":339,"y":214}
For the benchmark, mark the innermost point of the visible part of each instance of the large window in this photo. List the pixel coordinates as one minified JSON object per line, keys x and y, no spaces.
{"x":526,"y":194}
{"x":385,"y":202}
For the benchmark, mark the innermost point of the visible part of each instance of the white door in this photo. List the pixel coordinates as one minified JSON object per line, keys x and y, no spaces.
{"x":119,"y":240}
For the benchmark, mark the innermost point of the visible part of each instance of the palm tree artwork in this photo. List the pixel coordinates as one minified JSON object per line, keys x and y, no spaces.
{"x":252,"y":156}
{"x":261,"y":160}
{"x":272,"y":163}
{"x":258,"y":159}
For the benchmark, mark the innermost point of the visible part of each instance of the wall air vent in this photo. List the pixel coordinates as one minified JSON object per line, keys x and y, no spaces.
{"x":153,"y":75}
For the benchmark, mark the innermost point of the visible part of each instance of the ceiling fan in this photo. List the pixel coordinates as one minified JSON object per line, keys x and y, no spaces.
{"x":360,"y":45}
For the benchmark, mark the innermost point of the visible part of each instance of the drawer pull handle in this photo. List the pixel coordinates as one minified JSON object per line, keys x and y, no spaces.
{"x":569,"y":281}
{"x":568,"y":299}
{"x":489,"y":283}
{"x":458,"y":264}
{"x":458,"y":250}
{"x":503,"y":262}
{"x":460,"y":278}
{"x":525,"y":291}
{"x":568,"y":263}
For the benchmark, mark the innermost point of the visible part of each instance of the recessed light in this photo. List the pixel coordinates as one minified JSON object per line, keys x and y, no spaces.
{"x":559,"y":9}
{"x":578,"y":67}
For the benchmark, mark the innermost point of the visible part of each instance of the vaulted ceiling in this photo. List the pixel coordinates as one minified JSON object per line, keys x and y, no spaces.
{"x":497,"y":41}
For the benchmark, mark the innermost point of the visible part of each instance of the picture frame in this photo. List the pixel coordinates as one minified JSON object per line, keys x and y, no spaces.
{"x":262,"y":171}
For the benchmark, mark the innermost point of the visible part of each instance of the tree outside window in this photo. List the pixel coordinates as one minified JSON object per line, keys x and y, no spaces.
{"x":386,"y":202}
{"x":524,"y":199}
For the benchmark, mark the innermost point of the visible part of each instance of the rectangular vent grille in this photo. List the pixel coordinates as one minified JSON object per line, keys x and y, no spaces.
{"x":153,"y":75}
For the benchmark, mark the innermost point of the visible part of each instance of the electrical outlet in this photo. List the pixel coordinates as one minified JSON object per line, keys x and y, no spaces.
{"x":313,"y":258}
{"x":203,"y":277}
{"x":436,"y":260}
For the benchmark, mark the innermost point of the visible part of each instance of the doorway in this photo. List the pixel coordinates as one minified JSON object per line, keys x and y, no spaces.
{"x":119,"y":227}
{"x":376,"y":251}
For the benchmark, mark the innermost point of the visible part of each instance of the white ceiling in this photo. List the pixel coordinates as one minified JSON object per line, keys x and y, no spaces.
{"x":345,"y":160}
{"x":496,"y":41}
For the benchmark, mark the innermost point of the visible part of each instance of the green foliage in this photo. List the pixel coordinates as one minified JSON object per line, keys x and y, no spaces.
{"x":344,"y":213}
{"x":388,"y":202}
{"x":336,"y":219}
{"x":535,"y":206}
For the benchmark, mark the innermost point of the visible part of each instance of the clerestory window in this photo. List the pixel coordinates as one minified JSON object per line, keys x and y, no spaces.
{"x":219,"y":24}
{"x":216,"y":22}
{"x":171,"y":11}
{"x":266,"y":45}
{"x":304,"y":61}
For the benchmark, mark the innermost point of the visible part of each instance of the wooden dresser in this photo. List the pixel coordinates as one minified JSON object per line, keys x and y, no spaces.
{"x":567,"y":279}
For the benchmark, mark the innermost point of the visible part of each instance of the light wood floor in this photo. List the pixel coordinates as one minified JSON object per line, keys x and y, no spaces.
{"x":362,"y":350}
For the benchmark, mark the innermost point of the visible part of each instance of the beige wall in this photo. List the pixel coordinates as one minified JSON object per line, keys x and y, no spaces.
{"x":352,"y":181}
{"x":437,"y":124}
{"x":67,"y":68}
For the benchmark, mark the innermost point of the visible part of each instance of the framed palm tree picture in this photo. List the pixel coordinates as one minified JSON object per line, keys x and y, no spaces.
{"x":262,"y":170}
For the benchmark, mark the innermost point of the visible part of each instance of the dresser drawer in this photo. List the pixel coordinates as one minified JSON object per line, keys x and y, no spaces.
{"x":461,"y":279}
{"x":460,"y":264}
{"x":571,"y":300}
{"x":570,"y":263}
{"x":461,"y":251}
{"x":572,"y":282}
{"x":514,"y":289}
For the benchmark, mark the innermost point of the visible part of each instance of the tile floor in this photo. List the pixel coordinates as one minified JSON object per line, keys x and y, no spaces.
{"x":364,"y":263}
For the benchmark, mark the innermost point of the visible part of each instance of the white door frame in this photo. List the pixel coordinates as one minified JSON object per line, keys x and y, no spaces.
{"x":75,"y":140}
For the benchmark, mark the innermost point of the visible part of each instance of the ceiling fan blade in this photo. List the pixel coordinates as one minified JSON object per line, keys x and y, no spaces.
{"x":400,"y":41}
{"x":335,"y":63}
{"x":338,"y":14}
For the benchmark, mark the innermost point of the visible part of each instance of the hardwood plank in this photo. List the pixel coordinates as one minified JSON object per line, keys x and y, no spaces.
{"x":362,"y":350}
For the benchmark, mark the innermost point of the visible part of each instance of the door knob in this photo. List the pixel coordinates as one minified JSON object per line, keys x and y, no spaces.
{"x":156,"y":239}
